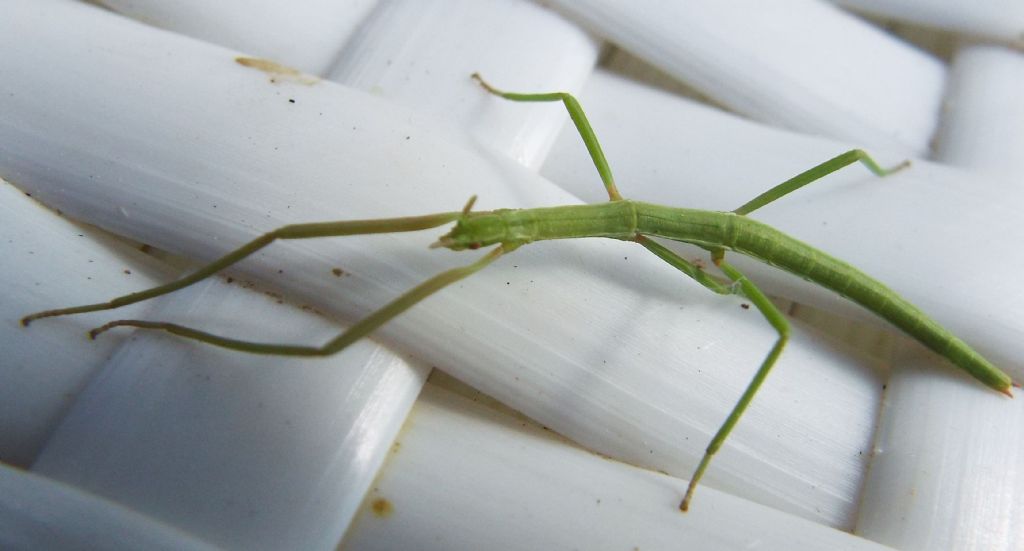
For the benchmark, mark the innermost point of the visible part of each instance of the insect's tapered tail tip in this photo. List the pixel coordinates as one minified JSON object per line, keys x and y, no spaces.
{"x":1009,"y":392}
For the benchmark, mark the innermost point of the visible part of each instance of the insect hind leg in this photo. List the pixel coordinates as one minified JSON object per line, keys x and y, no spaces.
{"x":816,"y":173}
{"x":781,"y":326}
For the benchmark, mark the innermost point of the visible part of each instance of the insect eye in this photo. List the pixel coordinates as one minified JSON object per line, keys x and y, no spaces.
{"x":474,"y":245}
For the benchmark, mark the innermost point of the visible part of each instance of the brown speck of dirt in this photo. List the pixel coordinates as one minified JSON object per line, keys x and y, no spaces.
{"x":338,"y":272}
{"x":277,"y":72}
{"x":745,"y":306}
{"x":382,"y":507}
{"x":129,"y":272}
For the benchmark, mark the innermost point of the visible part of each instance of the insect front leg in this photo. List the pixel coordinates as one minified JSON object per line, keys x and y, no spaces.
{"x":294,"y":231}
{"x":337,"y":344}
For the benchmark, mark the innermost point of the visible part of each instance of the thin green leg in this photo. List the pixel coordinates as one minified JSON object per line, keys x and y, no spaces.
{"x":683,"y":265}
{"x":744,"y":286}
{"x":778,"y":321}
{"x":343,"y":340}
{"x":295,"y":231}
{"x":578,"y":118}
{"x":816,"y":173}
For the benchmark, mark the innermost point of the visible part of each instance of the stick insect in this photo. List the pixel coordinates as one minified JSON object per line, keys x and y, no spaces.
{"x":619,"y":218}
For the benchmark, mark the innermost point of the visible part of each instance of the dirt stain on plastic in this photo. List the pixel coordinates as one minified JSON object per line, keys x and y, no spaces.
{"x":277,"y":72}
{"x":382,"y":508}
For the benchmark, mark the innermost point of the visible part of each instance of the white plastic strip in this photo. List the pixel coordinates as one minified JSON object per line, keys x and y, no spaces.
{"x":48,"y":262}
{"x":984,"y":111}
{"x":946,"y":468}
{"x":298,"y":488}
{"x":800,"y":64}
{"x":421,"y":54}
{"x":37,"y":513}
{"x":999,"y":20}
{"x":307,"y":35}
{"x":244,"y":451}
{"x":454,"y":481}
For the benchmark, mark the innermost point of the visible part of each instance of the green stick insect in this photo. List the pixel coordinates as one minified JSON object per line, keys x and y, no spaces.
{"x":623,"y":219}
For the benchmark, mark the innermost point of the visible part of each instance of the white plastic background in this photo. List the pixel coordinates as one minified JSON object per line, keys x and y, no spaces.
{"x":603,"y":371}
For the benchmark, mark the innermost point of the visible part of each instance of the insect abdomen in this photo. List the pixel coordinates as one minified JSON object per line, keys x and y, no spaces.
{"x":778,"y":249}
